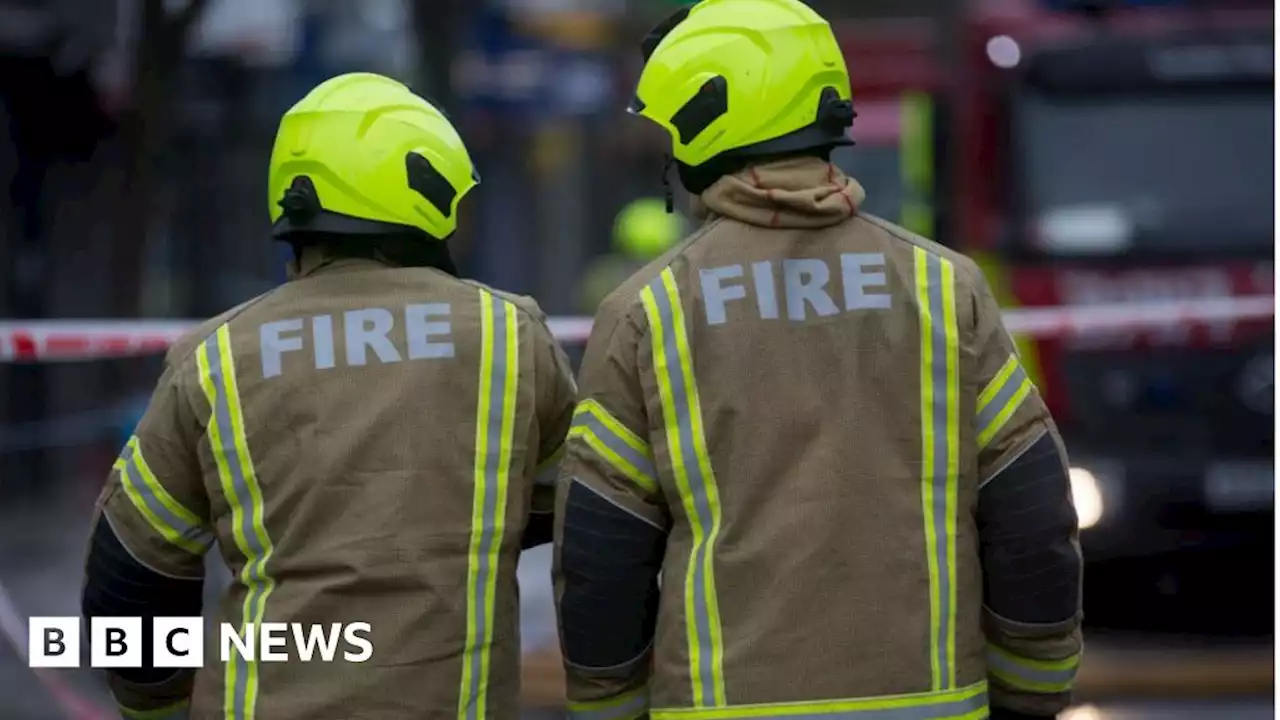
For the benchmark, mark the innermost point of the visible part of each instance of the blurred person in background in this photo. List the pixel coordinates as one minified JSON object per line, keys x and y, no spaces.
{"x":370,"y":442}
{"x":812,"y":425}
{"x":642,"y":232}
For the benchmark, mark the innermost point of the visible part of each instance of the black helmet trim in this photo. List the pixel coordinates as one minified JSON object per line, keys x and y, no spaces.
{"x":660,"y":31}
{"x":428,"y":182}
{"x":829,"y":130}
{"x":709,"y":104}
{"x":304,"y":214}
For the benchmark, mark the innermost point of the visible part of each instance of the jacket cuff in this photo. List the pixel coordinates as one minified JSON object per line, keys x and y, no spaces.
{"x":627,"y":706}
{"x":165,"y":699}
{"x":1005,"y":714}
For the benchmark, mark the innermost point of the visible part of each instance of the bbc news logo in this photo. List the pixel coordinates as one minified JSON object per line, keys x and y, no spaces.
{"x":178,"y":642}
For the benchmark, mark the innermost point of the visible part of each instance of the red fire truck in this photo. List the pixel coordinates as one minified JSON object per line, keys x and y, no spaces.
{"x":1104,"y":156}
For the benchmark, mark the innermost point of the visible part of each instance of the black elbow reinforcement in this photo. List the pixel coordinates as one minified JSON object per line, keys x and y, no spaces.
{"x":117,"y":585}
{"x":609,"y":561}
{"x":1026,"y":526}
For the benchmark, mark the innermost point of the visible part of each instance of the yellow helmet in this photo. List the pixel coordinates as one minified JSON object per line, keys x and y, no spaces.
{"x":741,"y":78}
{"x":362,"y":154}
{"x":644,"y":229}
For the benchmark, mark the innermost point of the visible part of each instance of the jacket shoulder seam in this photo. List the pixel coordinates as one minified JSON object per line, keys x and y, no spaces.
{"x":957,"y":259}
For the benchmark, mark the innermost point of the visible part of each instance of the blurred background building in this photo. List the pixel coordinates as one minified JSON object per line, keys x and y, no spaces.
{"x":1110,"y":165}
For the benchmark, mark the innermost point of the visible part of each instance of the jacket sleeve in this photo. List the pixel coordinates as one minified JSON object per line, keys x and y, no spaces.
{"x":611,"y":532}
{"x":151,"y":529}
{"x":557,"y":394}
{"x":1027,"y":527}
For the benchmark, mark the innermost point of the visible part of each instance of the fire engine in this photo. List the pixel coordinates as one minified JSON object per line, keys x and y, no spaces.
{"x":1116,"y":154}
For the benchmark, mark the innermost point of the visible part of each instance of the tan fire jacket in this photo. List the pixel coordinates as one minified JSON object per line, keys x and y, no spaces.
{"x":807,"y":476}
{"x":362,"y":444}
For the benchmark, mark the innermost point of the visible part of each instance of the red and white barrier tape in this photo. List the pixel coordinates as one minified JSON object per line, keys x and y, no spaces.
{"x":65,"y":340}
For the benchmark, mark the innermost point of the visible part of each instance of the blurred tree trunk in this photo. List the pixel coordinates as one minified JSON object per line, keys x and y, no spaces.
{"x":158,"y":53}
{"x":436,"y":25}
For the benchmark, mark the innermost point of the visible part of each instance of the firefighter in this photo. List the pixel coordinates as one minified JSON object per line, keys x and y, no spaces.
{"x":642,"y":231}
{"x":807,"y":474}
{"x":373,"y":441}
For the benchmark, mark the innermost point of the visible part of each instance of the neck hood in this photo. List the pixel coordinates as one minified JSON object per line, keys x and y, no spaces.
{"x":792,"y":193}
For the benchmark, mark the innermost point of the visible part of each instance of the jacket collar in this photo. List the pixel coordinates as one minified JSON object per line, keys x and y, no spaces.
{"x":315,"y":261}
{"x":792,"y":193}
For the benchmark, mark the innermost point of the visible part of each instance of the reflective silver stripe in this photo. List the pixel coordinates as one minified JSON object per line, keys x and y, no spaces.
{"x":193,"y":537}
{"x":940,"y":408}
{"x":1034,"y":675}
{"x":964,"y":704}
{"x":242,"y":501}
{"x":1003,"y":396}
{"x":627,"y":707}
{"x":495,"y":427}
{"x":636,"y":465}
{"x":707,"y":636}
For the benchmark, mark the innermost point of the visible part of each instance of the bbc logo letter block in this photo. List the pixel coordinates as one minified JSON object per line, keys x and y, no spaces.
{"x":116,"y":642}
{"x":178,"y":642}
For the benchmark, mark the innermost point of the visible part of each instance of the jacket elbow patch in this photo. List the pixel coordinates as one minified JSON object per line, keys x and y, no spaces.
{"x":623,"y":450}
{"x":609,"y":565}
{"x":118,"y":585}
{"x":1027,"y":524}
{"x":1034,"y":676}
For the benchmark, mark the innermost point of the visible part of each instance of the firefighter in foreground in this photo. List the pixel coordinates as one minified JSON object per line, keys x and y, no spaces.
{"x":641,"y":233}
{"x":364,"y":443}
{"x":812,"y":425}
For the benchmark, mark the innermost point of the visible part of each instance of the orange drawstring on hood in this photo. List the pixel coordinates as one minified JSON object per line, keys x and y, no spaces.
{"x":792,"y":193}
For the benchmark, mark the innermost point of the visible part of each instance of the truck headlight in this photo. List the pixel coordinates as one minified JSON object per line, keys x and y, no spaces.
{"x":1087,"y":496}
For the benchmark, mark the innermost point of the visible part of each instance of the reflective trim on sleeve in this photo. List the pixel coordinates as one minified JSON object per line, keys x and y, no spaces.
{"x":967,"y":703}
{"x":625,"y":451}
{"x":627,"y":706}
{"x":176,"y":711}
{"x":495,"y":429}
{"x":548,"y":471}
{"x":176,"y":524}
{"x":940,"y":434}
{"x":1037,"y":676}
{"x":691,"y":466}
{"x":1001,"y":398}
{"x":239,"y":480}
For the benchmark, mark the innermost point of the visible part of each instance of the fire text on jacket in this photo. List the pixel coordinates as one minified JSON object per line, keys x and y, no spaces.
{"x":365,"y":332}
{"x":804,"y":285}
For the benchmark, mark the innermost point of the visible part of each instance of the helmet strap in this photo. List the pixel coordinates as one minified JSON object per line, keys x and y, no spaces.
{"x":667,"y":194}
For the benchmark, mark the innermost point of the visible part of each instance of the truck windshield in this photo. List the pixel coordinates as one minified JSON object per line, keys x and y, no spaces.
{"x":1164,"y":172}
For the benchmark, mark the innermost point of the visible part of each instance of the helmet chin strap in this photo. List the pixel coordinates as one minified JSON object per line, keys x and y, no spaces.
{"x":667,"y":194}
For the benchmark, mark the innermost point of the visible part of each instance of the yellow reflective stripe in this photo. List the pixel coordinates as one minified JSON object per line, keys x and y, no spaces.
{"x":176,"y":711}
{"x":691,"y":466}
{"x":1001,"y":398}
{"x":989,"y":392}
{"x":495,"y":430}
{"x":997,"y":275}
{"x":227,"y":440}
{"x":627,"y":706}
{"x":176,"y":524}
{"x":1040,"y":676}
{"x":615,"y":443}
{"x":966,"y":703}
{"x":940,"y":450}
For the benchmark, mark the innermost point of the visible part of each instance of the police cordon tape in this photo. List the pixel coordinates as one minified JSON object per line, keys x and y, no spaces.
{"x":77,"y":340}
